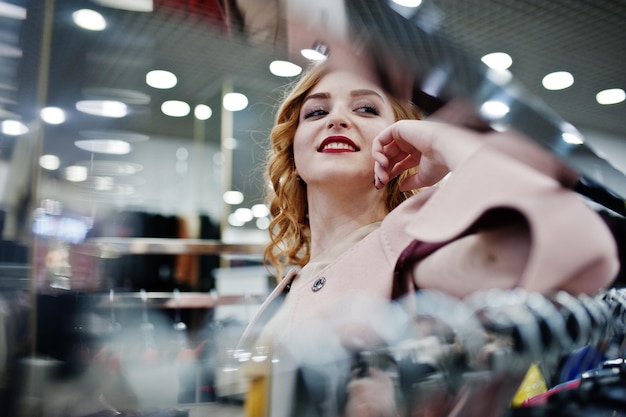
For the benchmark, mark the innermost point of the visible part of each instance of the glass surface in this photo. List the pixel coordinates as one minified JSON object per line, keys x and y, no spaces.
{"x":126,"y":274}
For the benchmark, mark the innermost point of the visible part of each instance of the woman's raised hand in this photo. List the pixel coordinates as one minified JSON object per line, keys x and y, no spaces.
{"x":435,"y":148}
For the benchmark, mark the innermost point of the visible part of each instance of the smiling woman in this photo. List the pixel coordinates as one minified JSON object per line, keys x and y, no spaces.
{"x":346,"y":164}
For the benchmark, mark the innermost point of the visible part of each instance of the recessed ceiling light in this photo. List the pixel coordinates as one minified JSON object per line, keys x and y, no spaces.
{"x":103,"y":108}
{"x":319,"y":52}
{"x":12,"y":11}
{"x":262,"y":223}
{"x":107,"y":146}
{"x":14,"y":128}
{"x":244,"y":214}
{"x":234,"y":221}
{"x":175,"y":108}
{"x":557,"y":80}
{"x":161,"y":79}
{"x":494,"y":109}
{"x":284,"y":68}
{"x":611,"y":96}
{"x":89,"y":19}
{"x":260,"y":210}
{"x":233,"y":197}
{"x":76,"y":173}
{"x":49,"y":162}
{"x":52,"y":115}
{"x":234,"y":101}
{"x":202,"y":112}
{"x":497,"y":60}
{"x":408,"y":3}
{"x":132,"y":5}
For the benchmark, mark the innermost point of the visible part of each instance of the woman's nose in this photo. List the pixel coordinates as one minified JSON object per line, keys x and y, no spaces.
{"x":338,"y":120}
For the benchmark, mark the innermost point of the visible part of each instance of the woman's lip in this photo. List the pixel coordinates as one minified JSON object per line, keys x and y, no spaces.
{"x":338,"y":139}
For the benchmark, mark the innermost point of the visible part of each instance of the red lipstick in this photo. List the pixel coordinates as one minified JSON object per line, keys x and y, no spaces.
{"x":337,"y":144}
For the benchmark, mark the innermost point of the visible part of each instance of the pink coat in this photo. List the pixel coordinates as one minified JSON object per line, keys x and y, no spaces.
{"x":541,"y":237}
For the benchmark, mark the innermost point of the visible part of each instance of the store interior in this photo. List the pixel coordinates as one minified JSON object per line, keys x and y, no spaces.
{"x":132,"y":211}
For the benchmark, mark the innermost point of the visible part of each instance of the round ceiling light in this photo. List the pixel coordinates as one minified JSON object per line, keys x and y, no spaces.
{"x":161,"y":79}
{"x":89,"y":19}
{"x":175,"y":108}
{"x":557,"y":80}
{"x":284,"y":69}
{"x":611,"y":96}
{"x":235,"y":101}
{"x":52,"y":115}
{"x":202,"y":112}
{"x":497,"y":60}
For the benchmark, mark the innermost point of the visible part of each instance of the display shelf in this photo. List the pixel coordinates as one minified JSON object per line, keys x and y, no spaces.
{"x":108,"y":247}
{"x":168,"y":300}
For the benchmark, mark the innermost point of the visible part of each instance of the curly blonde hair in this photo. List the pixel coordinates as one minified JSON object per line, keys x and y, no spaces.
{"x":287,"y":197}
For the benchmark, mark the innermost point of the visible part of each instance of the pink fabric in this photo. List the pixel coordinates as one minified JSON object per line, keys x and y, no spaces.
{"x":567,"y":246}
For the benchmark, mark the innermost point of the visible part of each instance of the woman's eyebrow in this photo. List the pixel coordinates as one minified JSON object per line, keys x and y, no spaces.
{"x":365,"y":92}
{"x":317,"y":96}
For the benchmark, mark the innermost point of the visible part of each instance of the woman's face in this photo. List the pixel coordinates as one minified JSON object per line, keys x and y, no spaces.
{"x":338,"y":121}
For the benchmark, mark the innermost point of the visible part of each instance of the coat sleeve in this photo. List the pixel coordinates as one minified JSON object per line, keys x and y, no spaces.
{"x":508,"y":225}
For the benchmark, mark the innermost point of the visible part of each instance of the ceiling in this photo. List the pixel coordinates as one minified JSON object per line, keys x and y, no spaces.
{"x":189,"y":38}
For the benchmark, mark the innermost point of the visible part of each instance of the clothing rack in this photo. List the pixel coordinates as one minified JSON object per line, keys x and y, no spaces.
{"x":452,"y":357}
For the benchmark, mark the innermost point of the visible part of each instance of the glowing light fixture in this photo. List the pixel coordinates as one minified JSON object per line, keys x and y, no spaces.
{"x":319,"y":52}
{"x":611,"y":96}
{"x":76,"y":173}
{"x":235,"y":101}
{"x":49,"y":162}
{"x":103,"y":108}
{"x":12,"y":11}
{"x":132,"y":5}
{"x":89,"y":19}
{"x":14,"y":128}
{"x":161,"y":79}
{"x":284,"y":68}
{"x":557,"y":80}
{"x":408,"y":3}
{"x":494,"y":109}
{"x":497,"y":60}
{"x":572,"y":138}
{"x":175,"y":108}
{"x":52,"y":115}
{"x":234,"y":221}
{"x":202,"y":112}
{"x":107,"y":146}
{"x":233,"y":197}
{"x":244,"y":214}
{"x":260,"y":210}
{"x":262,"y":223}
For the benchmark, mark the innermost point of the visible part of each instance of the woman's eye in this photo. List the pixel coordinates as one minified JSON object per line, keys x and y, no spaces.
{"x":368,"y":109}
{"x":315,"y":113}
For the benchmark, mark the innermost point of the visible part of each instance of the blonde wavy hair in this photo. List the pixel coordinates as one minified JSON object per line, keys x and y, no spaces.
{"x":287,"y":198}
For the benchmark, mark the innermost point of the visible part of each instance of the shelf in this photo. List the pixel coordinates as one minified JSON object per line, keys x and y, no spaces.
{"x":109,"y":247}
{"x":167,"y":300}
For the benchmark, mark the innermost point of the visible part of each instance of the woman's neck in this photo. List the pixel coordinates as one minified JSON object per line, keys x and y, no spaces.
{"x":335,"y":214}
